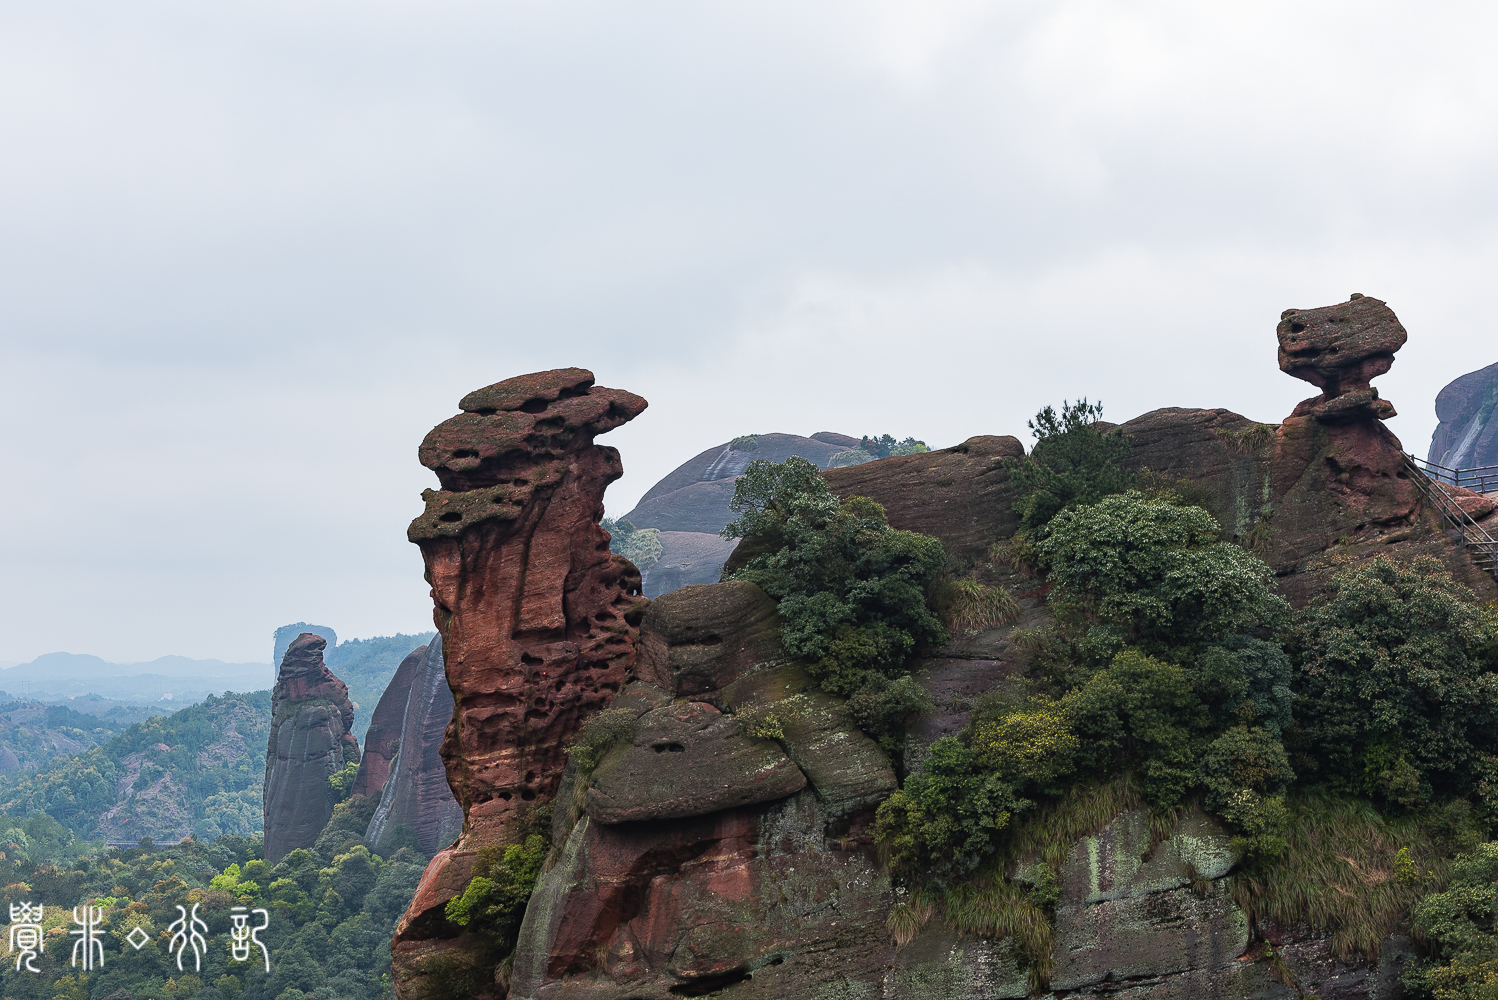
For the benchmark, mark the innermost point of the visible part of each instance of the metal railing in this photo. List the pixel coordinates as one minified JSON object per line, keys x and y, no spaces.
{"x":1473,"y":535}
{"x":1483,"y":479}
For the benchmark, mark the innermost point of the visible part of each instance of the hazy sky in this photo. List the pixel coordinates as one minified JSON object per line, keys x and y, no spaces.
{"x":251,"y":252}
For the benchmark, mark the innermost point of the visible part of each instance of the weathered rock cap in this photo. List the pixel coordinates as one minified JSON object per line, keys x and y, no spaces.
{"x":706,"y":636}
{"x":509,"y":424}
{"x":688,"y":759}
{"x":304,"y":655}
{"x":1341,"y":349}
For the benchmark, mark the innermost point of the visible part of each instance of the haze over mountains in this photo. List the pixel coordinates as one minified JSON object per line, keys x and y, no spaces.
{"x":166,"y":678}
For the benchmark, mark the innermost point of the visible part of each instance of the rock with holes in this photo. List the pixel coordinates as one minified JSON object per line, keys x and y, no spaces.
{"x":688,"y":759}
{"x":311,"y":739}
{"x":701,"y":638}
{"x":538,"y":620}
{"x":1340,"y":349}
{"x":417,"y":800}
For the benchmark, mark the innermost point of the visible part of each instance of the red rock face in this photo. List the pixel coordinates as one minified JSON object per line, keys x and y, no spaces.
{"x":538,"y":618}
{"x":382,"y":739}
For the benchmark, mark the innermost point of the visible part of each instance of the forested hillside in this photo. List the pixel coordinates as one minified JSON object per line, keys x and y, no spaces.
{"x":331,"y":915}
{"x":197,"y":772}
{"x":34,"y":734}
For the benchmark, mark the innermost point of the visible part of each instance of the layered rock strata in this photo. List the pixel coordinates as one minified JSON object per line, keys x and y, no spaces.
{"x":311,"y":738}
{"x":416,"y":801}
{"x":537,"y":620}
{"x":383,"y":737}
{"x":701,"y":854}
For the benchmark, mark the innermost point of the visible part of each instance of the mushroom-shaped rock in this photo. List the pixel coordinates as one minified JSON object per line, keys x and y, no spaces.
{"x":1341,"y":349}
{"x":705,"y":636}
{"x":688,"y":759}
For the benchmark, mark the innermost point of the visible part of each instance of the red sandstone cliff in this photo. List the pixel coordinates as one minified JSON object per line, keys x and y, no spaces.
{"x":538,"y":622}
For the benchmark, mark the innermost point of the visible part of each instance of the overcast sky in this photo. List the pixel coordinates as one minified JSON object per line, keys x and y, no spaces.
{"x":251,"y":252}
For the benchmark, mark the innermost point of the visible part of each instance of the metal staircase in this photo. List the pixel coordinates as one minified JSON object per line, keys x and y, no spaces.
{"x":1435,"y":481}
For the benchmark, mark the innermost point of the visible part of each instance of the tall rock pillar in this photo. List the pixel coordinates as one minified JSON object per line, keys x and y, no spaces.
{"x":538,"y":622}
{"x":311,"y":738}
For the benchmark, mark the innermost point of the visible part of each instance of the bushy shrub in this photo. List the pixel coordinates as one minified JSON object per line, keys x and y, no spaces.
{"x":852,"y":590}
{"x":1033,"y":745}
{"x":1458,"y":924}
{"x":494,"y":899}
{"x":1401,"y":700}
{"x":1247,"y":681}
{"x":1142,"y":713}
{"x":948,"y":817}
{"x":884,"y":707}
{"x":1245,"y":773}
{"x":1154,"y":572}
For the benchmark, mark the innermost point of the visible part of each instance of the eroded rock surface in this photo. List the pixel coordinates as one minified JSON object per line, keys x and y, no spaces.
{"x":311,"y":738}
{"x":382,"y":738}
{"x":537,"y":620}
{"x":417,"y":800}
{"x":733,"y":861}
{"x":1340,"y":349}
{"x":961,"y":495}
{"x":688,"y":759}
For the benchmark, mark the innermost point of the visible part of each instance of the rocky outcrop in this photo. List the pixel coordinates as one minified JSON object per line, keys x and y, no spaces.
{"x":417,"y":802}
{"x":690,"y":505}
{"x":287,"y":634}
{"x":383,"y":737}
{"x":704,"y":855}
{"x":537,"y":619}
{"x":687,"y":557}
{"x":1327,"y":484}
{"x":1467,"y":436}
{"x":311,"y":738}
{"x":961,"y":494}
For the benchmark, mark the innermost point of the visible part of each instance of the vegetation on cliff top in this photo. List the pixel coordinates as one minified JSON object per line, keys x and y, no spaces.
{"x":852,"y":590}
{"x":1346,"y":747}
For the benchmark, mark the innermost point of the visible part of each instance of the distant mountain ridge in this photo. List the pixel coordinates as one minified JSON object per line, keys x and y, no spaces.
{"x":166,"y":678}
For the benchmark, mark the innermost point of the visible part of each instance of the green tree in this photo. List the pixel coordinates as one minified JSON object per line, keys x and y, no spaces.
{"x":852,"y":590}
{"x":641,"y":546}
{"x":1397,"y":668}
{"x":1074,"y":462}
{"x":949,"y":816}
{"x":1458,"y":924}
{"x":1154,"y":572}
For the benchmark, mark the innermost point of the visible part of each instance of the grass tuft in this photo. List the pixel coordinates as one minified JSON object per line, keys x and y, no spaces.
{"x":1340,"y":875}
{"x":968,"y":605}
